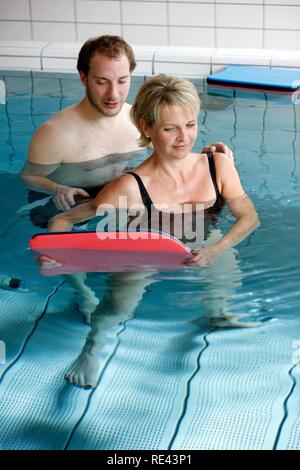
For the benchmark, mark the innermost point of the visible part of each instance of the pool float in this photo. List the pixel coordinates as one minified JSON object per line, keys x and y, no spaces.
{"x":110,"y":251}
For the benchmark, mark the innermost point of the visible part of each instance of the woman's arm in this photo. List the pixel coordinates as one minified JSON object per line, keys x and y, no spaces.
{"x":239,"y":203}
{"x":114,"y":194}
{"x":247,"y":221}
{"x":64,"y":221}
{"x":241,"y":207}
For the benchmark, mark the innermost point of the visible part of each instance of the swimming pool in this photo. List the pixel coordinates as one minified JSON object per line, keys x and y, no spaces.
{"x":169,"y":379}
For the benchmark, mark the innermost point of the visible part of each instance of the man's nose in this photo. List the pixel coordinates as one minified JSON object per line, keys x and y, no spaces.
{"x":113,"y":91}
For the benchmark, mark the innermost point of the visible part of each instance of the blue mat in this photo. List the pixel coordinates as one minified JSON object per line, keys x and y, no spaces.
{"x":257,"y":77}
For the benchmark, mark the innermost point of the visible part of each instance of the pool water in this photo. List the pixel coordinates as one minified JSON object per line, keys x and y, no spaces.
{"x":169,"y":379}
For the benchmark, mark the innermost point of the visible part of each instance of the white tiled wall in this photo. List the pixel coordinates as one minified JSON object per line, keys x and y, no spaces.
{"x":206,"y":23}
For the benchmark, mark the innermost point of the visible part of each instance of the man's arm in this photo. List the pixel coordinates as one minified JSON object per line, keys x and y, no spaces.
{"x":45,"y":156}
{"x":34,"y":175}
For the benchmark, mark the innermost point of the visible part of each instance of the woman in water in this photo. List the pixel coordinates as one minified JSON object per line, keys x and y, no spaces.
{"x":173,"y":177}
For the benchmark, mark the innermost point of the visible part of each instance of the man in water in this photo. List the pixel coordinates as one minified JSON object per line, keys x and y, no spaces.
{"x":88,"y":144}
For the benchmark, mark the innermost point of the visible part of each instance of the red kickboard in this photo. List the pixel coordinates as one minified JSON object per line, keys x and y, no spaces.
{"x":110,"y":251}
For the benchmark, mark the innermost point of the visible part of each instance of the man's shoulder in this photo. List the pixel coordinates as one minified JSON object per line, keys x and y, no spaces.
{"x":51,"y":138}
{"x":127,"y":107}
{"x":126,"y":111}
{"x":127,"y":122}
{"x":57,"y":122}
{"x":50,"y":131}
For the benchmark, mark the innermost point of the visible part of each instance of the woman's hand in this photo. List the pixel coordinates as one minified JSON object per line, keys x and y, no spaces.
{"x":206,"y":256}
{"x":47,"y":263}
{"x":56,"y":224}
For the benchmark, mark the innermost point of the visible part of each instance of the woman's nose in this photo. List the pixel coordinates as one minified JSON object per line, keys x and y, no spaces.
{"x":182,"y":134}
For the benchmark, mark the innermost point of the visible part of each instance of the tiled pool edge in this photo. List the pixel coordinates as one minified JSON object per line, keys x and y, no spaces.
{"x":186,"y":61}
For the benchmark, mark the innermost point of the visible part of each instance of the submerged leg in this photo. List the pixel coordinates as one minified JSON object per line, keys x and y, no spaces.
{"x":125,"y":291}
{"x":221,"y":279}
{"x":85,"y":297}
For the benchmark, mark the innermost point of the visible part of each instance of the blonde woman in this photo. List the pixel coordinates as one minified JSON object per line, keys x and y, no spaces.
{"x":165,"y":112}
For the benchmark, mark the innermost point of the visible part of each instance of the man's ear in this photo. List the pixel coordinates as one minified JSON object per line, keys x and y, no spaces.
{"x":83,"y":78}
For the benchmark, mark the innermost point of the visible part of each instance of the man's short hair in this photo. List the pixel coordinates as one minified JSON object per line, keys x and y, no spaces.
{"x":110,"y":46}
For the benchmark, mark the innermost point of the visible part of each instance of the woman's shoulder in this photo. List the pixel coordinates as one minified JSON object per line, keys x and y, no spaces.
{"x":198,"y":158}
{"x":222,"y":163}
{"x":122,"y":184}
{"x":217,"y":156}
{"x":119,"y":190}
{"x":221,"y":160}
{"x":227,"y":176}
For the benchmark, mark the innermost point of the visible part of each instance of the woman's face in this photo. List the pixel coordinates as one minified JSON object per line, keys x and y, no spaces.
{"x":175,"y":134}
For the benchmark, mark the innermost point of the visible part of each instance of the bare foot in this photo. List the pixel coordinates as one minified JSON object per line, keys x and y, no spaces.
{"x":236,"y":324}
{"x":85,"y":371}
{"x":231,"y":320}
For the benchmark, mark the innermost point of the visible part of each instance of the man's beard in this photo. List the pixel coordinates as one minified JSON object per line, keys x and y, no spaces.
{"x":98,"y":107}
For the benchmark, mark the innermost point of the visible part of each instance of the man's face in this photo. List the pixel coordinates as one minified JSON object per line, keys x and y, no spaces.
{"x":107,"y":83}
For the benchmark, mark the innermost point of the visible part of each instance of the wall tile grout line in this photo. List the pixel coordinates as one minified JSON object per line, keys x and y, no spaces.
{"x":262,"y":152}
{"x":41,"y":54}
{"x":168,"y":24}
{"x":153,"y":62}
{"x":31,"y":101}
{"x":31,"y":25}
{"x":263,"y":25}
{"x":121,"y":18}
{"x":75,"y":19}
{"x":215,"y":28}
{"x":152,"y":25}
{"x":9,"y":139}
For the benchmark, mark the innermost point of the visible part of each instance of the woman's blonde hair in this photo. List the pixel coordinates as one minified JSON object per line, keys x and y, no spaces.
{"x":158,"y":93}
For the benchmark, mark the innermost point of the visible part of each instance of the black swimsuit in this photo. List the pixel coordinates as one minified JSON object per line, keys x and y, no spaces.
{"x":210,"y":214}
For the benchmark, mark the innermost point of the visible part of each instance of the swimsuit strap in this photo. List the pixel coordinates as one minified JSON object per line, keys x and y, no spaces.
{"x":147,"y":201}
{"x":212,"y":170}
